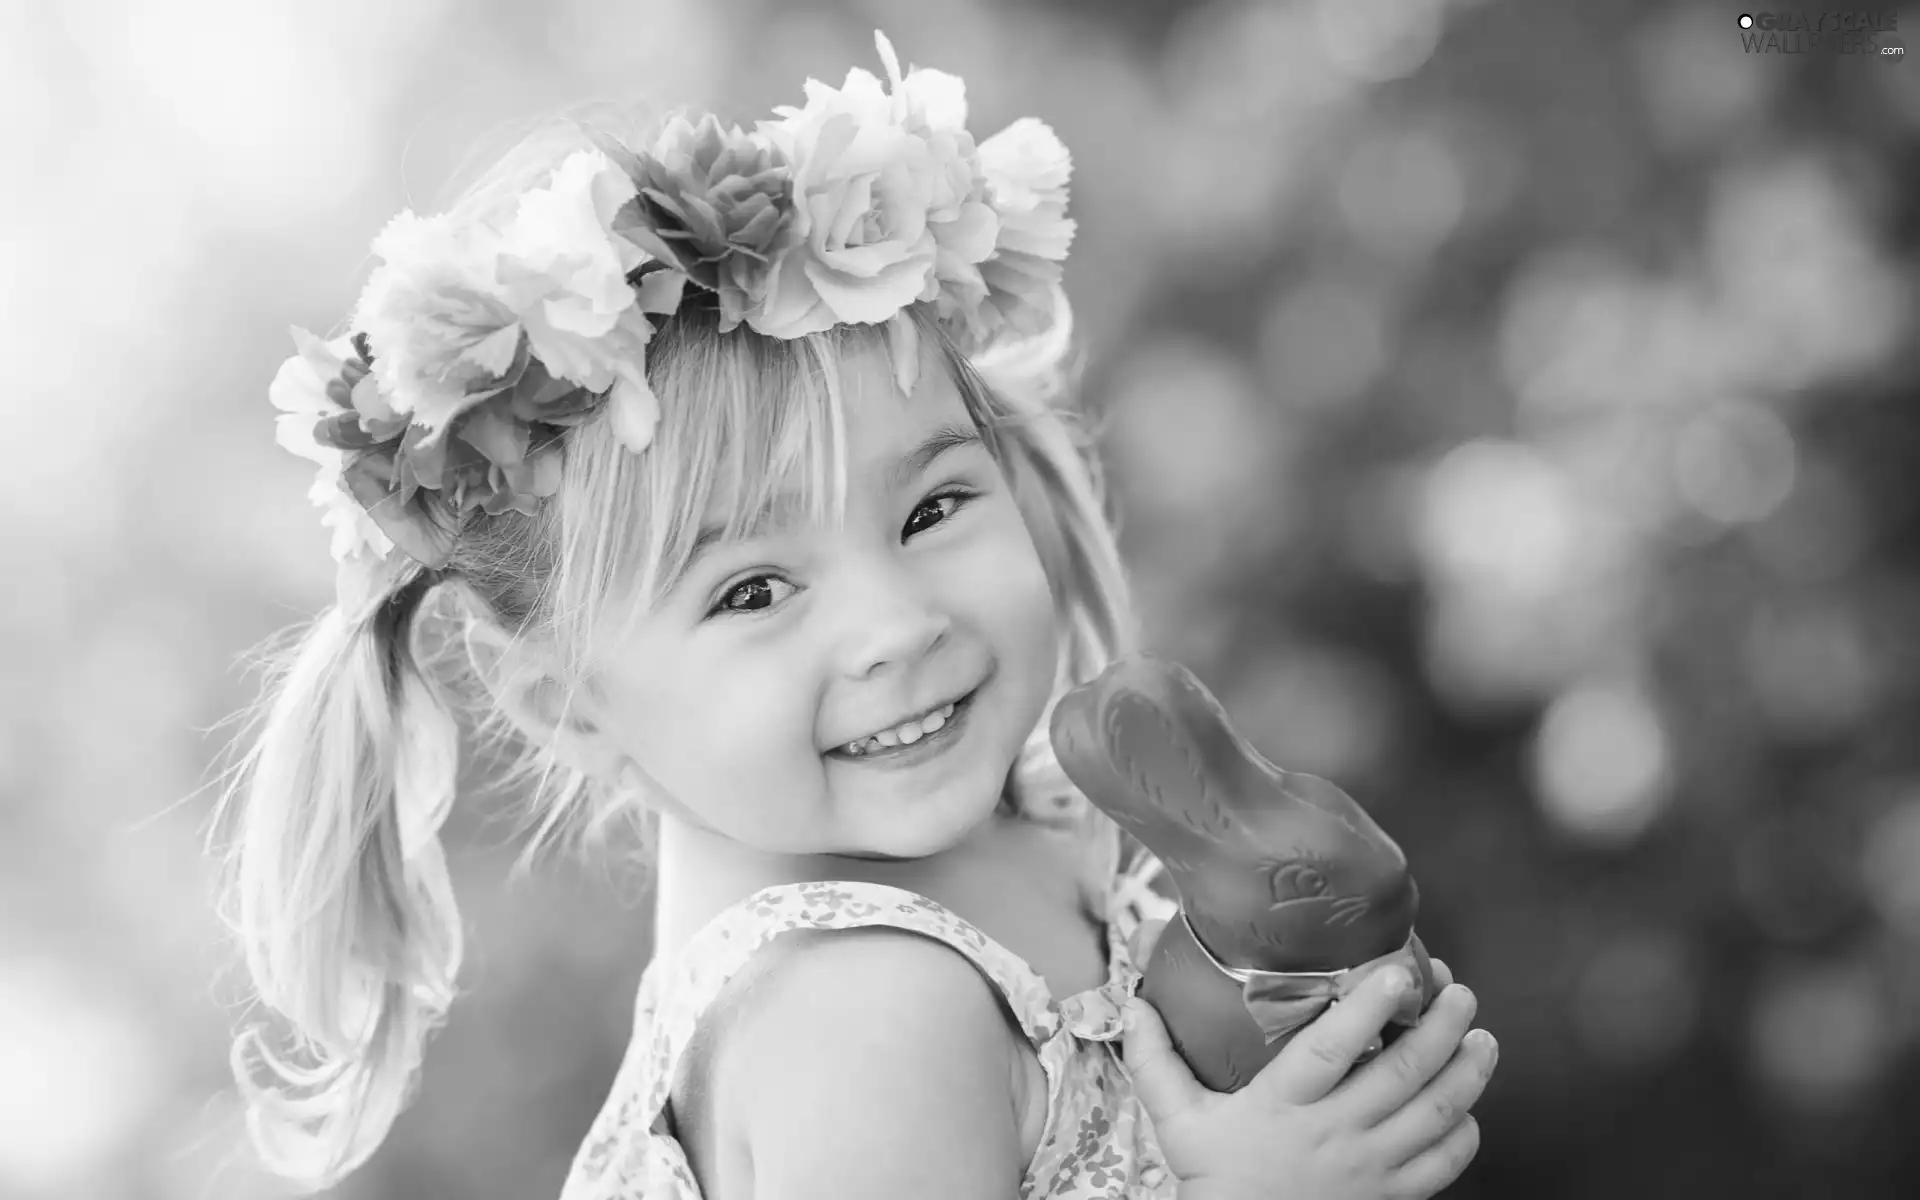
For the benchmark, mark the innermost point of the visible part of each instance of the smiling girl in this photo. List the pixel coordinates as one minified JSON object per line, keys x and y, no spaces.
{"x":743,"y":464}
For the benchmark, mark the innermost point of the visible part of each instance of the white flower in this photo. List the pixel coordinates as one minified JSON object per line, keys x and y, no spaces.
{"x":859,"y":248}
{"x":442,"y":332}
{"x":1027,"y":169}
{"x":453,"y":305}
{"x":932,"y":105}
{"x":564,"y":272}
{"x":299,"y":391}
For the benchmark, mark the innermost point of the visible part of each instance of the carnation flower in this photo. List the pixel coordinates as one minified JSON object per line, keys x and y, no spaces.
{"x":307,"y":391}
{"x":1023,"y":292}
{"x":858,"y":249}
{"x":564,"y":273}
{"x":932,"y":105}
{"x":442,"y":331}
{"x":384,"y":481}
{"x":713,"y":201}
{"x":1026,"y":169}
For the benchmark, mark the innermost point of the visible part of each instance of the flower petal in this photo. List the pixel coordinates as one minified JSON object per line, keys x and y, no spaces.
{"x":293,"y":432}
{"x":791,"y":307}
{"x":871,"y":300}
{"x":660,"y":291}
{"x":296,"y":389}
{"x":367,"y":400}
{"x":970,"y":236}
{"x":939,"y":98}
{"x":326,"y":358}
{"x":412,"y":522}
{"x":494,"y":434}
{"x":494,"y":353}
{"x":636,"y":411}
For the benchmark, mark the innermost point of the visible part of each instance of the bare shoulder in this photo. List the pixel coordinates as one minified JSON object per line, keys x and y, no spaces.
{"x":866,"y":1063}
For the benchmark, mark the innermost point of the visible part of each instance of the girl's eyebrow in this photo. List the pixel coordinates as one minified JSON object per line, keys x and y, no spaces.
{"x":951,"y":435}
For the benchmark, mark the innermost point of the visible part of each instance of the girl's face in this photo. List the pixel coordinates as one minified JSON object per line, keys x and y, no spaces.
{"x":741,"y":693}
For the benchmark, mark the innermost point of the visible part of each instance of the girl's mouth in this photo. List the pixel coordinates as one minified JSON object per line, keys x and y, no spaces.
{"x":927,"y":743}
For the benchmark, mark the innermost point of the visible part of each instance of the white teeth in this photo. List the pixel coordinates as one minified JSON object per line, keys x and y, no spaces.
{"x":906,"y":733}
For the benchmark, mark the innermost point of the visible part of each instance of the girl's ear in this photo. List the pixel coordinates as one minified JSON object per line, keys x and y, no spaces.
{"x":521,"y":678}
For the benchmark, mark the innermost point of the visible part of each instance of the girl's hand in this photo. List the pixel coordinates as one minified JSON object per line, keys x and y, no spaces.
{"x":1310,"y":1125}
{"x":1147,"y":935}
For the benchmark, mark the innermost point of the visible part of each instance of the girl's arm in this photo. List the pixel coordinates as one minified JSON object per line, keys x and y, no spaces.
{"x":871,"y":1064}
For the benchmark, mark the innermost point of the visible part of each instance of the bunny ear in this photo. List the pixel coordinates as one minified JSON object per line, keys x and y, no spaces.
{"x":1113,"y":742}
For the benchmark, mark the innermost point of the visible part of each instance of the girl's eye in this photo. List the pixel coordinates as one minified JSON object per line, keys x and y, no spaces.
{"x":756,"y":594}
{"x":1295,"y":881}
{"x":956,"y":497}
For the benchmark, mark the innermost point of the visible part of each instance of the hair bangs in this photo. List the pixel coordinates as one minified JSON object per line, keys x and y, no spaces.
{"x":752,"y":434}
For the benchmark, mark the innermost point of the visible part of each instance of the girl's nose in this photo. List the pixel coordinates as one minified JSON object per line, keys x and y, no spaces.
{"x":892,"y":624}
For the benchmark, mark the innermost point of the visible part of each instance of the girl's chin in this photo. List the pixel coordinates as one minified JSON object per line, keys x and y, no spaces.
{"x":899,"y":835}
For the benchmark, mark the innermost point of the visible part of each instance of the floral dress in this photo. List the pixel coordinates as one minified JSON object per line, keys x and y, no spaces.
{"x":1097,"y":1141}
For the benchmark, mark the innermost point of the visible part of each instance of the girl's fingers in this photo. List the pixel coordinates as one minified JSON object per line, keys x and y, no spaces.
{"x":1161,"y":1077}
{"x":1442,"y":977}
{"x":1387,"y":1083}
{"x":1145,"y":938}
{"x":1429,"y":1116}
{"x":1441,"y":1163}
{"x":1322,"y":1054}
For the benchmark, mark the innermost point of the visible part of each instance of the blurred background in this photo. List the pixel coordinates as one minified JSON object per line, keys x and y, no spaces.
{"x":1511,"y":420}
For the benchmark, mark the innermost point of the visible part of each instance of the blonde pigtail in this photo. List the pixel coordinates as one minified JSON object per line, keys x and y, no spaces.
{"x":339,"y":890}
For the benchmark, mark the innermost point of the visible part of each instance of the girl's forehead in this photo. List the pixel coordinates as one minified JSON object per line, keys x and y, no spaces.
{"x":883,"y":423}
{"x":889,"y":435}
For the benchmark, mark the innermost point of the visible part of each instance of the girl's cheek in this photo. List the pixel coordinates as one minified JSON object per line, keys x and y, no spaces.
{"x":1017,"y":558}
{"x":761,"y":707}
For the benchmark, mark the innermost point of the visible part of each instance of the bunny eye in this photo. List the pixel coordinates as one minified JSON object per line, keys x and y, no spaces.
{"x":1294,"y":881}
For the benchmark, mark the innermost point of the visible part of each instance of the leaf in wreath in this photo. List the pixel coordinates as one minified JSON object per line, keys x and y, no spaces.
{"x":660,"y":291}
{"x":425,"y":455}
{"x":631,"y":223}
{"x":412,"y":521}
{"x":499,"y":437}
{"x":539,"y":391}
{"x":464,"y":460}
{"x":466,"y":404}
{"x":623,"y":156}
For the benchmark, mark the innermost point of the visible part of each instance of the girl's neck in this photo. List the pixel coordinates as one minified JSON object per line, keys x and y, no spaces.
{"x":700,"y":873}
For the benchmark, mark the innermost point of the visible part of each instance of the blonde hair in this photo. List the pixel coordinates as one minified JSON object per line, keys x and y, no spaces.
{"x":348,"y":920}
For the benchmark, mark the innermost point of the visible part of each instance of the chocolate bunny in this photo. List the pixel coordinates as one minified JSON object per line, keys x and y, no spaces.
{"x":1290,"y":894}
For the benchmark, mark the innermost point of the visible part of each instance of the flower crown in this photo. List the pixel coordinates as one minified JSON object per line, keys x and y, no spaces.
{"x":478,"y":343}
